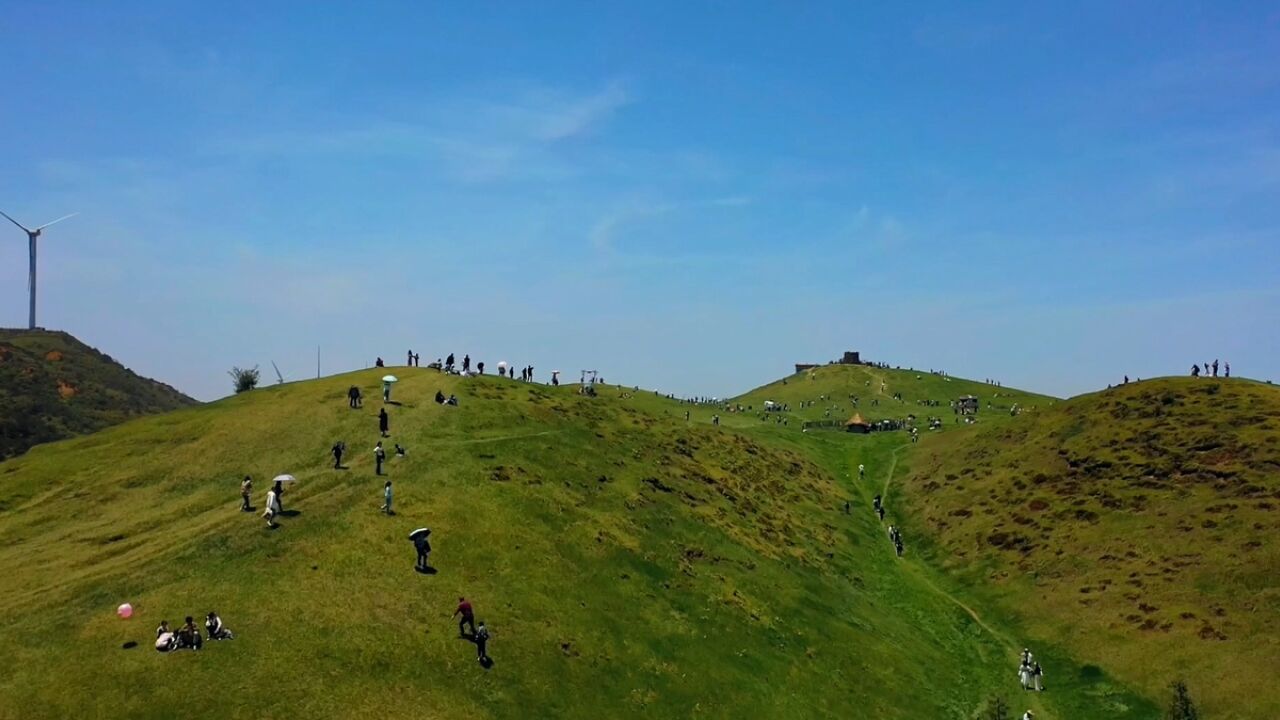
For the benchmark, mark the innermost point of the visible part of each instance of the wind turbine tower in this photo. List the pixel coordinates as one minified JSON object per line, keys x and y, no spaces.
{"x":31,"y":243}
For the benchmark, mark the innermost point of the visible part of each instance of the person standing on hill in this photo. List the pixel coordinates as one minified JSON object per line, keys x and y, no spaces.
{"x":422,"y":544}
{"x":386,"y":499}
{"x":1195,"y":371}
{"x":482,"y":643}
{"x":1228,"y":370}
{"x":384,"y":422}
{"x":379,"y":456}
{"x":1215,"y":368}
{"x":466,"y":363}
{"x":480,"y":367}
{"x":409,"y":361}
{"x":273,"y":508}
{"x":862,"y":471}
{"x":246,"y":487}
{"x":468,"y":617}
{"x":1024,"y":675}
{"x":448,"y":363}
{"x":1037,"y":675}
{"x":338,"y":447}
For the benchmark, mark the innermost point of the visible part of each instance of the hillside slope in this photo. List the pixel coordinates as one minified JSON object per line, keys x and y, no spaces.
{"x":52,"y":386}
{"x":629,"y":563}
{"x":1136,"y":526}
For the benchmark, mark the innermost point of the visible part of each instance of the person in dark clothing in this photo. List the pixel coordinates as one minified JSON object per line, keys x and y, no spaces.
{"x":1195,"y":371}
{"x":409,"y":361}
{"x":1215,"y":368}
{"x":439,"y":397}
{"x":480,"y":367}
{"x":846,"y":507}
{"x":482,"y":643}
{"x":466,"y":363}
{"x":379,"y":457}
{"x":338,"y":447}
{"x":422,"y":544}
{"x":379,"y":363}
{"x":468,"y":617}
{"x":279,"y":490}
{"x":880,"y":512}
{"x":530,"y":373}
{"x":352,"y":392}
{"x":448,"y":363}
{"x":1227,"y":368}
{"x":189,"y":635}
{"x":217,"y":631}
{"x":417,"y":360}
{"x":384,"y":422}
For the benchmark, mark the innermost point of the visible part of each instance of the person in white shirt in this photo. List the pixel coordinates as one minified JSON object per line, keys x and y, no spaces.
{"x":273,"y":508}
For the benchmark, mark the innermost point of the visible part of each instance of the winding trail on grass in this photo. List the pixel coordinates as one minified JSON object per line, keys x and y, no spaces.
{"x":884,"y":497}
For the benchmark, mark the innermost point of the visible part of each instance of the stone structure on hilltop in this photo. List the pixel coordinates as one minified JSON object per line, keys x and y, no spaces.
{"x":850,"y":357}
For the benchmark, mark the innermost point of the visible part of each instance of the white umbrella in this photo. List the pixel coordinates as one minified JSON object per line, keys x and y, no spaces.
{"x":390,"y":378}
{"x":285,"y":479}
{"x":419,"y":531}
{"x":502,"y":364}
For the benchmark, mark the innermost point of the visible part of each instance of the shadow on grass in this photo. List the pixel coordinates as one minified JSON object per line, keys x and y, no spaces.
{"x":428,"y":570}
{"x":290,"y":513}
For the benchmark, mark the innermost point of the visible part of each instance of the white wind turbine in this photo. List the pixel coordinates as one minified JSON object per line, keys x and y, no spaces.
{"x":31,"y":240}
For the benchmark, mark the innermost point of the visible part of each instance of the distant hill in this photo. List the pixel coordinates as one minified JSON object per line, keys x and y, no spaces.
{"x":1136,"y":527}
{"x":52,"y":386}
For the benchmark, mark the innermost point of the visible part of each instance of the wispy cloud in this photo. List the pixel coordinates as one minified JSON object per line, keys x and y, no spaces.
{"x":579,"y":116}
{"x":470,"y":139}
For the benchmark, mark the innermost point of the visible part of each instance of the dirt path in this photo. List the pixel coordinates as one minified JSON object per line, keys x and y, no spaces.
{"x":884,"y":498}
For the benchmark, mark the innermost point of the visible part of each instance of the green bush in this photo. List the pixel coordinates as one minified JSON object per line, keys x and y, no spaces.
{"x":244,"y":378}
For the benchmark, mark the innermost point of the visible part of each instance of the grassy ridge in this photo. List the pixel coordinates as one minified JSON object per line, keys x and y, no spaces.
{"x":630,"y":563}
{"x":1135,"y":526}
{"x":53,"y":386}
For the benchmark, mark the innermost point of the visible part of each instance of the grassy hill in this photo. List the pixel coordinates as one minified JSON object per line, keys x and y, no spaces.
{"x":1135,"y":527}
{"x":52,"y":386}
{"x":630,"y":563}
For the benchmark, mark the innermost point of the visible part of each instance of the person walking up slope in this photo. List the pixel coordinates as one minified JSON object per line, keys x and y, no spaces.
{"x":384,"y":422}
{"x":386,"y":499}
{"x":482,"y":643}
{"x":246,"y":487}
{"x":468,"y":617}
{"x":379,"y":456}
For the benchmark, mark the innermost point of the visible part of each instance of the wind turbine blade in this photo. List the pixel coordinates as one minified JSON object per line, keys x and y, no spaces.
{"x":15,"y":222}
{"x":64,"y":217}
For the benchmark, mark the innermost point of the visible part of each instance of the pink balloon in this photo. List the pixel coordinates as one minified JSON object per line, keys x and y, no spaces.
{"x":125,"y":610}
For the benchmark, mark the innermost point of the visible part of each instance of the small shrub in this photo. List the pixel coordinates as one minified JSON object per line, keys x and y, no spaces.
{"x":995,"y":709}
{"x":1182,"y":708}
{"x":244,"y":378}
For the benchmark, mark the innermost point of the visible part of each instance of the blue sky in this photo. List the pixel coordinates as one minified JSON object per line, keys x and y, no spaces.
{"x":689,"y":196}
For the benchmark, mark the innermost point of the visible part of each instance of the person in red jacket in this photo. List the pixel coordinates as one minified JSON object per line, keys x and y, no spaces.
{"x":468,"y":617}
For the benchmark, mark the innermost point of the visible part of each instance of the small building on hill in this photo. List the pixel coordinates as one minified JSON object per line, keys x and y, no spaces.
{"x":857,"y":425}
{"x":967,"y":405}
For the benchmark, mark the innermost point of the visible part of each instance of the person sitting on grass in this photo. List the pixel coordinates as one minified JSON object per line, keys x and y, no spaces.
{"x":165,"y":639}
{"x":453,"y":400}
{"x":439,"y":398}
{"x":189,"y":635}
{"x":214,"y":627}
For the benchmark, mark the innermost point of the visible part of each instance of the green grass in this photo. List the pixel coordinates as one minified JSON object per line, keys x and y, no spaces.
{"x":1134,"y":528}
{"x":629,"y":564}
